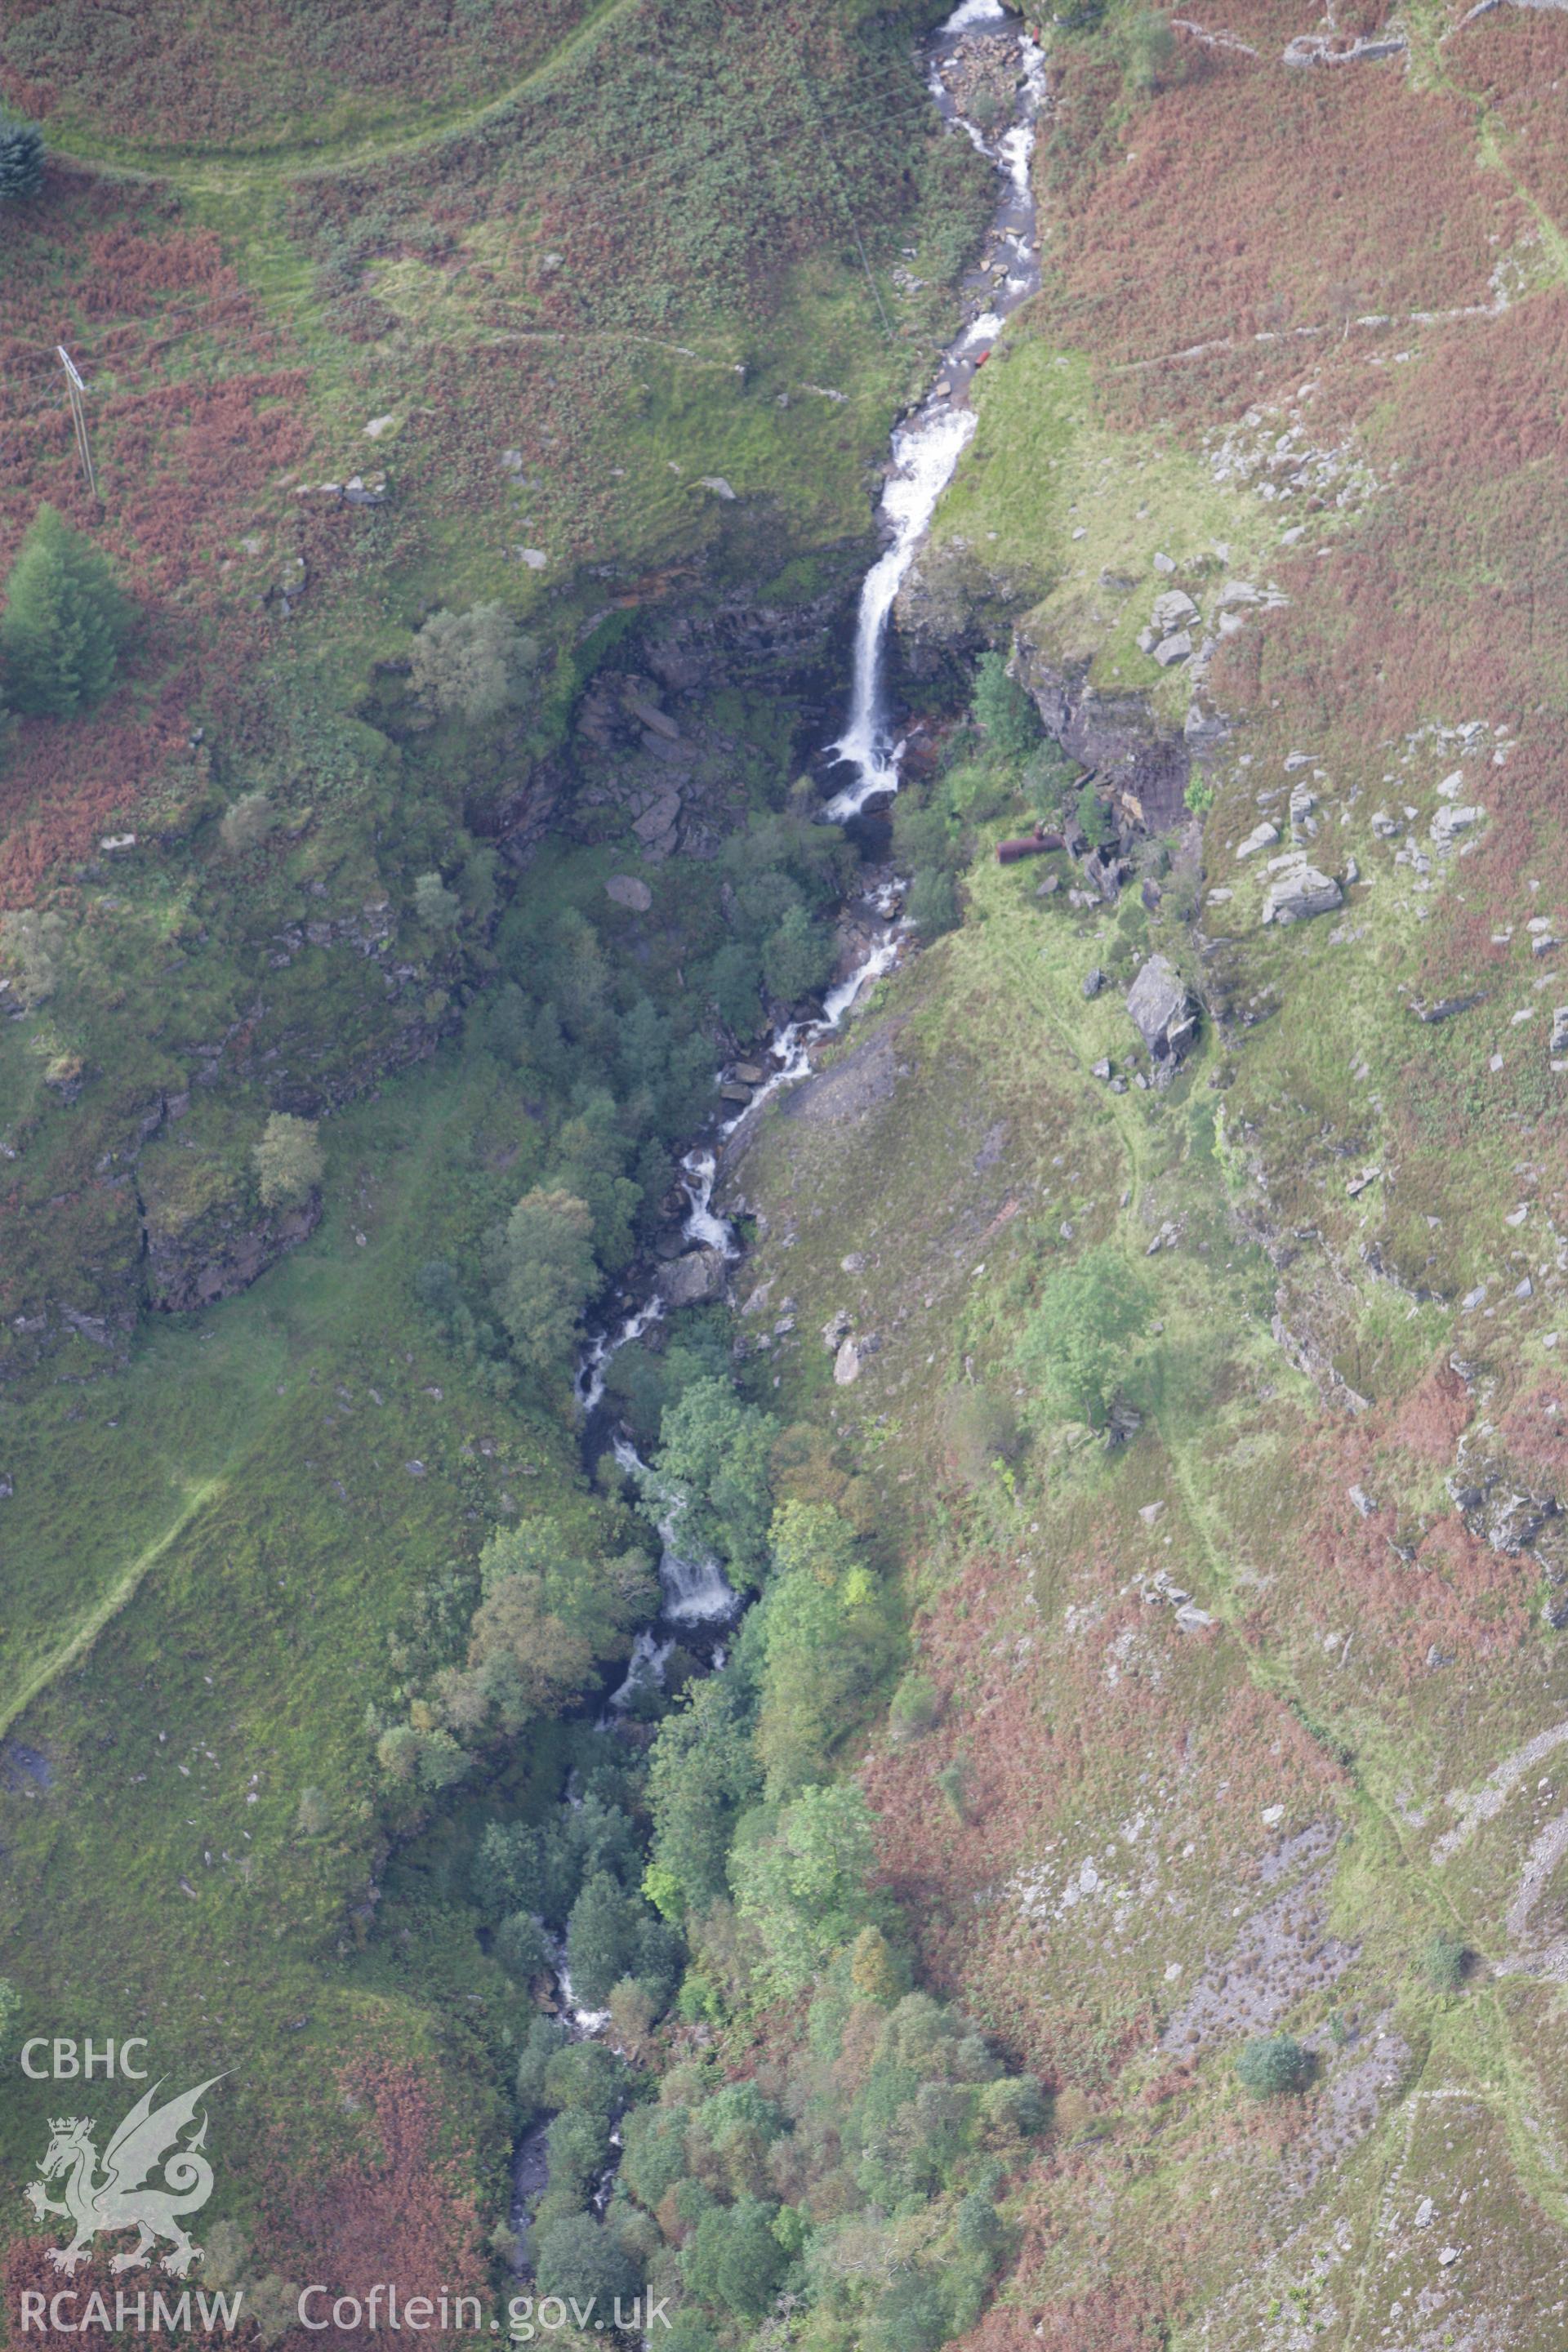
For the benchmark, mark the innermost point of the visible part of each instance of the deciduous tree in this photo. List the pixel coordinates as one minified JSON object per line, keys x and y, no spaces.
{"x":471,"y":665}
{"x":288,"y":1161}
{"x":542,"y":1272}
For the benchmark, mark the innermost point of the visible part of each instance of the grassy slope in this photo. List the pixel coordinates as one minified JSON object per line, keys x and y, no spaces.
{"x":205,"y":1554}
{"x":268,"y":1535}
{"x":1088,"y":1724}
{"x":1359,"y":1673}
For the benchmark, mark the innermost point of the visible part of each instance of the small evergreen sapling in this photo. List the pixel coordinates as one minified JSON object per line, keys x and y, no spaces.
{"x":21,"y":158}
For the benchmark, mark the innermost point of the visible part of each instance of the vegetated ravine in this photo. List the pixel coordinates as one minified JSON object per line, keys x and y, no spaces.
{"x":697,"y":1605}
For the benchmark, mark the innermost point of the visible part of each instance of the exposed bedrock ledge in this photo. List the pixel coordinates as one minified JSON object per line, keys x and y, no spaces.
{"x":222,"y":1254}
{"x":1135,"y":753}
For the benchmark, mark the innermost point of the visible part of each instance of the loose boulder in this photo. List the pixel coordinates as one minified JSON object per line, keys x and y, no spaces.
{"x":692,"y":1280}
{"x":1300,"y":892}
{"x":1161,"y":1010}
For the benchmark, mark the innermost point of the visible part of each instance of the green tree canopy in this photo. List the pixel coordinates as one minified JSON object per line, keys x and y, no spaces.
{"x":715,"y":1455}
{"x":1274,"y":2065}
{"x":1079,"y":1341}
{"x":542,"y":1272}
{"x":288,"y":1160}
{"x":701,"y":1774}
{"x":546,"y":1615}
{"x":823,"y":1639}
{"x":1004,"y":712}
{"x":64,"y":621}
{"x":521,"y":1947}
{"x":932,"y":903}
{"x":471,"y":665}
{"x":1098,"y":824}
{"x":735,"y":2259}
{"x":583,"y":2261}
{"x":436,"y":906}
{"x":800,"y":1876}
{"x":797,"y":957}
{"x":601,"y":1938}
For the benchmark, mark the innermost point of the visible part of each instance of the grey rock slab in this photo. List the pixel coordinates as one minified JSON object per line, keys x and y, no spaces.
{"x":692,"y":1280}
{"x":1299,"y":894}
{"x":1160,"y":1009}
{"x":1173,"y":610}
{"x":1449,"y":822}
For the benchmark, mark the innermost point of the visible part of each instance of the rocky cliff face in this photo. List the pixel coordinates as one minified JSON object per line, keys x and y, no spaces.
{"x":647,"y":743}
{"x":223,"y":1252}
{"x":1137,"y":760}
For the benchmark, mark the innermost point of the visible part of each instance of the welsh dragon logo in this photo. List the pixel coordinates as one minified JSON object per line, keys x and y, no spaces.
{"x":123,"y":2196}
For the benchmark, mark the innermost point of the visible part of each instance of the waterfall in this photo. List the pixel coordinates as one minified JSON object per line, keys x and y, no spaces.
{"x":694,"y":1592}
{"x":927,"y":446}
{"x":925,"y":455}
{"x":699,"y":1172}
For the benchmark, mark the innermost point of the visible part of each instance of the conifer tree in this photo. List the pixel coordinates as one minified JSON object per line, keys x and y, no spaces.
{"x":21,"y":158}
{"x":63,"y":623}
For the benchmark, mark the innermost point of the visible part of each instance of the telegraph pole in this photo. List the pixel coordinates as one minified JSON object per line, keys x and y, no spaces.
{"x":74,"y":389}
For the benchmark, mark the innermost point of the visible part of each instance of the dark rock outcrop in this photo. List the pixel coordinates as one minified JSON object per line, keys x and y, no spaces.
{"x":1138,"y":760}
{"x":694,"y":1279}
{"x":220,"y":1254}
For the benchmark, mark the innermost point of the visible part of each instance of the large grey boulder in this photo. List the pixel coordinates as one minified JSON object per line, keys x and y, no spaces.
{"x":1162,"y":1011}
{"x":1173,"y":610}
{"x":1300,"y":892}
{"x":692,"y":1280}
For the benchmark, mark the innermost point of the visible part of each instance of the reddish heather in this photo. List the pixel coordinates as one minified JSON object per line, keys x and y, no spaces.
{"x":1515,"y":60}
{"x":1534,"y":1431}
{"x":402,"y":2208}
{"x":1408,"y":1590}
{"x":192,"y":420}
{"x":26,"y":2269}
{"x":1435,"y":1415}
{"x":1341,"y":194}
{"x":1106,"y":2319}
{"x":1040,"y":1733}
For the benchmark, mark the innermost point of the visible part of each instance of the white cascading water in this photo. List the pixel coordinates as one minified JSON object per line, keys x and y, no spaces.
{"x":928,"y":447}
{"x":925,"y":454}
{"x":696,"y":1591}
